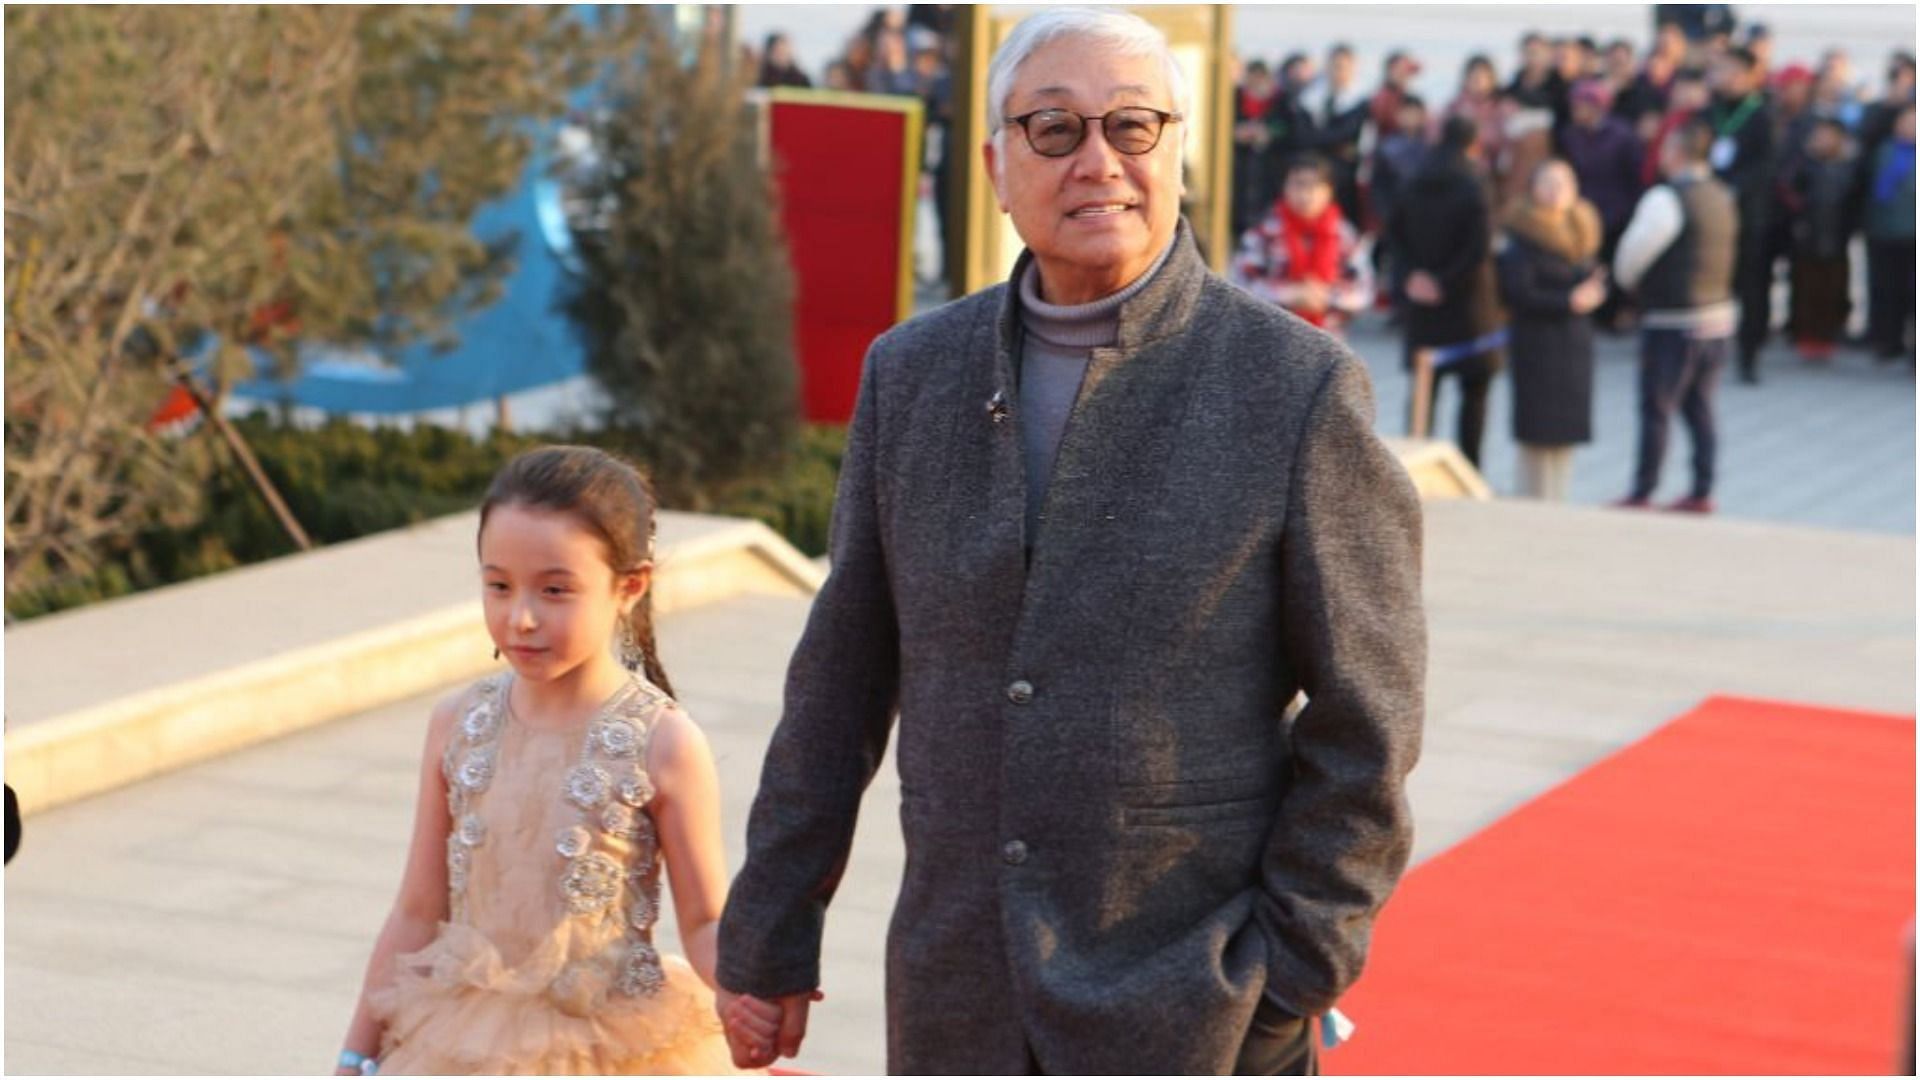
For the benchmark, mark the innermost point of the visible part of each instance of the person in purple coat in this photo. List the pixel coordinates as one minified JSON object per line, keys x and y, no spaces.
{"x":1606,"y":155}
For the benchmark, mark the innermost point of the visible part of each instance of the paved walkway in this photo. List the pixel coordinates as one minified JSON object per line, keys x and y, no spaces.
{"x":1828,"y":446}
{"x":217,"y":919}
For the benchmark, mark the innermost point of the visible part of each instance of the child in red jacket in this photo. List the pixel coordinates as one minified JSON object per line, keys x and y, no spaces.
{"x":1305,"y":256}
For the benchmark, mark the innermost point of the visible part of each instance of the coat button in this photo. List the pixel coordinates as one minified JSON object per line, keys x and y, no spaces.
{"x":1020,"y":692}
{"x":1014,"y":853}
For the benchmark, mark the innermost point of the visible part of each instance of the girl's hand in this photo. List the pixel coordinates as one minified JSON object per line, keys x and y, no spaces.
{"x":751,"y":1016}
{"x":751,"y":1025}
{"x":759,"y":1032}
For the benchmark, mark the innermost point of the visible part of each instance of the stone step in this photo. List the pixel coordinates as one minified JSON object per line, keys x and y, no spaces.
{"x":116,"y":692}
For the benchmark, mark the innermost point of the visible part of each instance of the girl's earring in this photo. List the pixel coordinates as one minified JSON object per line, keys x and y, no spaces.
{"x":496,"y":652}
{"x":631,"y":657}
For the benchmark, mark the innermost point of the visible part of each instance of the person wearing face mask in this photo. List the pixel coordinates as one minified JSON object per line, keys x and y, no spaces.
{"x":1097,"y":527}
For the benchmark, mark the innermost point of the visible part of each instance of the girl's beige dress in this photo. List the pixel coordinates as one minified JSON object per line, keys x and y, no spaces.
{"x":546,"y":963}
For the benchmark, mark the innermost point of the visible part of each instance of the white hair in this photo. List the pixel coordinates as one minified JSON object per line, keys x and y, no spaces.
{"x":1127,"y":34}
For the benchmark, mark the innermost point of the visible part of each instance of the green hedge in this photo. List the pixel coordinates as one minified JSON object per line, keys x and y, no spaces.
{"x":344,"y":481}
{"x":798,"y":504}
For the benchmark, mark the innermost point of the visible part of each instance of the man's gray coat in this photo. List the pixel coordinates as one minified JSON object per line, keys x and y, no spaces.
{"x":1113,"y":841}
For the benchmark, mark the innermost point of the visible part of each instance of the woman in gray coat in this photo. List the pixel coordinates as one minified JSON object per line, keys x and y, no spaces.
{"x":1549,"y":281}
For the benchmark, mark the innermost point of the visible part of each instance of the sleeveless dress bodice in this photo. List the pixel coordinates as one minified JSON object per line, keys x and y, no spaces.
{"x":546,"y":963}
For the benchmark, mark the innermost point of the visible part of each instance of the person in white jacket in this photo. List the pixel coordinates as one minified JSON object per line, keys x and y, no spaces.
{"x":1677,"y":254}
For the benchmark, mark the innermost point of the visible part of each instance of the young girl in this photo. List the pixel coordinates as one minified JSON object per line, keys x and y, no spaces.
{"x":1304,"y":256}
{"x":551,"y":797}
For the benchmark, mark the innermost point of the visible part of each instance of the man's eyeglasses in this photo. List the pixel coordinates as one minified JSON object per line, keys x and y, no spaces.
{"x":1058,"y":132}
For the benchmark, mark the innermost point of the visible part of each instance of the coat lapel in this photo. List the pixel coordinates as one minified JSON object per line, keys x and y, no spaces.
{"x":1117,"y":439}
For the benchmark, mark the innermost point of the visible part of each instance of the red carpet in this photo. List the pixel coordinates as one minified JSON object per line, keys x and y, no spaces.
{"x":1726,"y":896}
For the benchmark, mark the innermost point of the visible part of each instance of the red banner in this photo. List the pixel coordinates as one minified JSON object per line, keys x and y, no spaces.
{"x":847,"y":168}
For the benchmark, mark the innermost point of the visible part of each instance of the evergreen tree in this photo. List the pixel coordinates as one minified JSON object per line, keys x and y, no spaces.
{"x":254,"y":176}
{"x":684,"y":302}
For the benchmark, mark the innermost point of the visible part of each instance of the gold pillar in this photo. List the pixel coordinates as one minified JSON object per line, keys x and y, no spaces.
{"x":1220,"y":136}
{"x":967,"y":177}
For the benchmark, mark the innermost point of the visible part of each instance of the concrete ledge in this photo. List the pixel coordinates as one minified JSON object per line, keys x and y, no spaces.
{"x":117,"y":692}
{"x":1439,"y":470}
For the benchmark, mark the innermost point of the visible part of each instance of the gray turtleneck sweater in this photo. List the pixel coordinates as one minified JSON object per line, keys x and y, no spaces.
{"x":1053,"y":360}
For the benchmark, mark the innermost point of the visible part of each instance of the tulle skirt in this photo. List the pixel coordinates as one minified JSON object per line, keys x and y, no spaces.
{"x":455,"y":1008}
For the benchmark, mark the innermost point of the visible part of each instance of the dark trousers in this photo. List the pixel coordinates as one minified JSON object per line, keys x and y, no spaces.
{"x":1608,"y":312}
{"x":1889,"y":294}
{"x":1754,"y":262}
{"x":1820,"y":306}
{"x":1680,"y":372}
{"x":1244,"y":190}
{"x":1474,"y":375}
{"x":1278,"y":1044}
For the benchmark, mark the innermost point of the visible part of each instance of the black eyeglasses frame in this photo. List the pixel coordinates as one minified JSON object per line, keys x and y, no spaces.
{"x":1086,"y":124}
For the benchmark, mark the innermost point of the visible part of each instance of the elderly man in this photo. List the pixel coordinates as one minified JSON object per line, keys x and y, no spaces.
{"x":1095,"y":529}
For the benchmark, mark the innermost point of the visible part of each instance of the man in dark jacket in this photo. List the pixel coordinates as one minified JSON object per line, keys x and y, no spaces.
{"x":1877,"y":119}
{"x":1606,"y":156}
{"x":1341,"y":109}
{"x":1698,"y":21}
{"x":1648,"y":91}
{"x":1253,"y":184}
{"x":1742,"y":156}
{"x":1295,"y":131}
{"x":1821,"y":188}
{"x":1889,"y":216}
{"x":1538,"y":85}
{"x":1396,"y":86}
{"x":1096,"y":526}
{"x":1442,"y":234}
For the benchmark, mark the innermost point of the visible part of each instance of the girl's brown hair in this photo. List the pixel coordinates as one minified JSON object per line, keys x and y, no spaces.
{"x":608,"y":496}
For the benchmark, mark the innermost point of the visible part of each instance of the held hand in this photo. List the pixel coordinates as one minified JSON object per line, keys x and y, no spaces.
{"x":1424,"y":289}
{"x":1586,"y":296}
{"x":793,"y":1026}
{"x":760,"y":1031}
{"x":1313,"y":296}
{"x":751,"y":1026}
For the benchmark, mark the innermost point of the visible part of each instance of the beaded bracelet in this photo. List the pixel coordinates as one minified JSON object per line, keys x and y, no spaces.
{"x":353,"y":1059}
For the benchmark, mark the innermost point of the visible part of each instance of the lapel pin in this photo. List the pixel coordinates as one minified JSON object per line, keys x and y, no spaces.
{"x":997,"y":407}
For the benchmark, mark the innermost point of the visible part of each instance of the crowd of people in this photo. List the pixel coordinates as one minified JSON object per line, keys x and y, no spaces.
{"x":1490,"y":226}
{"x":1814,"y":157}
